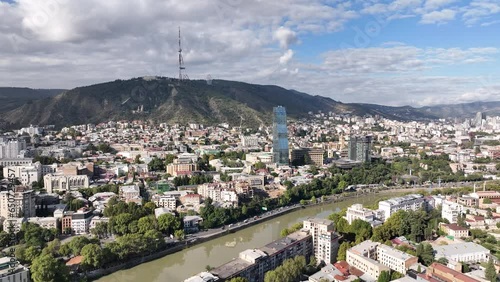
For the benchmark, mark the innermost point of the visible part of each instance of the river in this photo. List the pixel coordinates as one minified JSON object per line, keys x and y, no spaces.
{"x":188,"y":262}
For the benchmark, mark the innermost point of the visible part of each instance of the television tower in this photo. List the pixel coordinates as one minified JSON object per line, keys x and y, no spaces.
{"x":181,"y":60}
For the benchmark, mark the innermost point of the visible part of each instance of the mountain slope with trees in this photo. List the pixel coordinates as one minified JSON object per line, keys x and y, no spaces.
{"x":167,"y":100}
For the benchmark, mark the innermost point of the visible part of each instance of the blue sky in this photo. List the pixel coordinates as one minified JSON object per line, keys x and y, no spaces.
{"x":393,"y":52}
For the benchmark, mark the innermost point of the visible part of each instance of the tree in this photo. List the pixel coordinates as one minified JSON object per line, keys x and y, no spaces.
{"x":146,"y":223}
{"x":238,"y":279}
{"x":52,"y":248}
{"x":443,"y":261}
{"x":179,"y":234}
{"x":46,"y":268}
{"x":385,"y":276}
{"x":396,"y":275}
{"x":168,"y":223}
{"x":101,"y":230}
{"x":425,"y":253}
{"x":137,"y":159}
{"x":92,"y":256}
{"x":490,"y":271}
{"x":342,"y":251}
{"x":4,"y":239}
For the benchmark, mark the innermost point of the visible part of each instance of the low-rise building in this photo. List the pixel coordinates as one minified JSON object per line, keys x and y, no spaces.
{"x":454,"y":230}
{"x":395,"y":259}
{"x":439,"y":272}
{"x":192,"y":223}
{"x":468,"y":252}
{"x":58,"y":183}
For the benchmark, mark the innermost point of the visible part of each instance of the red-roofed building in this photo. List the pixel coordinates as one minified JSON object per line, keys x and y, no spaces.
{"x":454,"y":230}
{"x":443,"y":273}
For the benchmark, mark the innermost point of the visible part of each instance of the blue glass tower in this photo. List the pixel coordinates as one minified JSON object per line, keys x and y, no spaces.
{"x":280,"y":136}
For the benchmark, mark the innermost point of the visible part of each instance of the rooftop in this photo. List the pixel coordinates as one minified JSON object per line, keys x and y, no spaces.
{"x":320,"y":221}
{"x":457,"y":249}
{"x":229,"y":269}
{"x":399,"y":200}
{"x":395,"y":253}
{"x":282,"y":243}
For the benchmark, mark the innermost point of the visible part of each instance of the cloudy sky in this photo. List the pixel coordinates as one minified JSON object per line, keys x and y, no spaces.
{"x":402,"y":52}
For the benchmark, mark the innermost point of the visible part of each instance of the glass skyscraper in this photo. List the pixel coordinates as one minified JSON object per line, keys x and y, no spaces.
{"x":280,"y":136}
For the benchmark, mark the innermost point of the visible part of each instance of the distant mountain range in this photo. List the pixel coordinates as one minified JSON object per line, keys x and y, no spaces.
{"x":13,"y":97}
{"x":167,"y":100}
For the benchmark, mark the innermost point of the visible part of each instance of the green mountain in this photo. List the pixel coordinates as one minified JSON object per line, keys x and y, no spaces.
{"x":13,"y":97}
{"x":167,"y":100}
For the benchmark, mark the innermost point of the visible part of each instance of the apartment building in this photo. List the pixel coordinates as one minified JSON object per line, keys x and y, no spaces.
{"x":129,"y":192}
{"x":395,"y":259}
{"x":451,"y":211}
{"x":357,"y":211}
{"x":22,"y":199}
{"x":363,"y":257}
{"x":182,"y":166}
{"x":17,"y":274}
{"x":252,"y":264}
{"x":80,"y":221}
{"x":164,"y":201}
{"x":325,"y":239}
{"x":406,"y":203}
{"x":314,"y":156}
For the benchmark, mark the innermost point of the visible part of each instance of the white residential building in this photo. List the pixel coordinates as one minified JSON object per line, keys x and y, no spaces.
{"x":468,"y":252}
{"x":325,"y":239}
{"x":363,"y":257}
{"x":18,"y":273}
{"x":395,"y":259}
{"x":164,"y":201}
{"x":450,"y":211}
{"x":406,"y":203}
{"x":129,"y":192}
{"x":80,"y":221}
{"x":357,"y":211}
{"x":21,"y":199}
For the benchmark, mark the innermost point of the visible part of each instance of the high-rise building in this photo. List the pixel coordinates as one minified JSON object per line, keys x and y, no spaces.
{"x":359,"y":148}
{"x":280,"y":136}
{"x":23,"y":199}
{"x":325,"y":239}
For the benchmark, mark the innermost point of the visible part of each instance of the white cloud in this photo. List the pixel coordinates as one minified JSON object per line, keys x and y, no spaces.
{"x":442,"y":16}
{"x":53,"y":44}
{"x":286,"y":57}
{"x":285,"y":36}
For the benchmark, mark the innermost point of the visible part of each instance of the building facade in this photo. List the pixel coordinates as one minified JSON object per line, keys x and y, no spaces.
{"x":359,"y":148}
{"x":406,"y":203}
{"x":325,"y":239}
{"x":56,"y":183}
{"x":22,"y":200}
{"x":280,"y":136}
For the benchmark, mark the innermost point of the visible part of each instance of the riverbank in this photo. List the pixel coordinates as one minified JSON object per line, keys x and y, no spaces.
{"x":238,"y":235}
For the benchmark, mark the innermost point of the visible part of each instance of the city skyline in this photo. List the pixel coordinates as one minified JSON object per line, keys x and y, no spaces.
{"x":403,"y":52}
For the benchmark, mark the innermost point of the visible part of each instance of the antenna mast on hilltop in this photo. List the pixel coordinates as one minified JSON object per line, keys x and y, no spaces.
{"x":181,"y":60}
